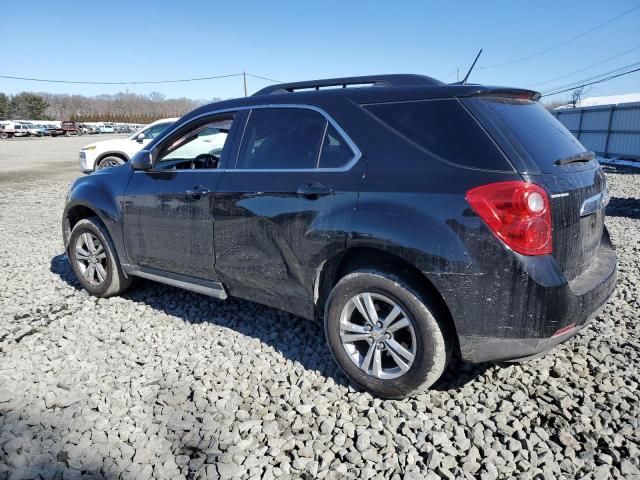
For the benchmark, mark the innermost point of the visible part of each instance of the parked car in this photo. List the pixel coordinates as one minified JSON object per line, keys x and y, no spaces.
{"x":110,"y":153}
{"x":34,"y":130}
{"x":106,"y":129}
{"x":67,"y":129}
{"x":10,"y":129}
{"x":85,"y":129}
{"x":414,"y":219}
{"x":92,"y":129}
{"x":43,"y":128}
{"x":50,"y":129}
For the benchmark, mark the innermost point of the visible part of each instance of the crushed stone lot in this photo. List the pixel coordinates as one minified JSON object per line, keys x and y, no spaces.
{"x":164,"y":383}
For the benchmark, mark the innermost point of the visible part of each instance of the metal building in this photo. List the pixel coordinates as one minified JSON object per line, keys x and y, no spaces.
{"x":608,"y":130}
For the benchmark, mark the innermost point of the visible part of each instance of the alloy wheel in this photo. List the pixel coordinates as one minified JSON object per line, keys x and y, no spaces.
{"x":91,"y":258}
{"x":110,"y":163}
{"x":378,"y":335}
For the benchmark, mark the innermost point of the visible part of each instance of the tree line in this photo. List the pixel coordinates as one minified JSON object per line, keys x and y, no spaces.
{"x":121,"y":107}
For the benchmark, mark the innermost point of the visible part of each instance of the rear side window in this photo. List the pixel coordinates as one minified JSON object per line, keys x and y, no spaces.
{"x":543,"y":137}
{"x":281,"y":138}
{"x":444,"y":128}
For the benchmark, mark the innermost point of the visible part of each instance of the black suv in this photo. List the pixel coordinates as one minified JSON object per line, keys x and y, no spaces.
{"x":415,"y":219}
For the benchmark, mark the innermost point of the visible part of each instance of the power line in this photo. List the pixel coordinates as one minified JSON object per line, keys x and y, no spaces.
{"x":587,"y":68}
{"x":594,"y":77}
{"x":522,"y":59}
{"x":592,"y":83}
{"x":145,"y":82}
{"x":264,"y":78}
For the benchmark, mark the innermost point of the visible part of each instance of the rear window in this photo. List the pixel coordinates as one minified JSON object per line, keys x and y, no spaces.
{"x":444,"y":128}
{"x":543,"y":137}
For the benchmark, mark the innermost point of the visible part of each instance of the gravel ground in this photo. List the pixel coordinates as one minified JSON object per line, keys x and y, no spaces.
{"x":164,"y":383}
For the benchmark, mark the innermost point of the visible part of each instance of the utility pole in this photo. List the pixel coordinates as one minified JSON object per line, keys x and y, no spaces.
{"x":458,"y":74}
{"x":244,"y":79}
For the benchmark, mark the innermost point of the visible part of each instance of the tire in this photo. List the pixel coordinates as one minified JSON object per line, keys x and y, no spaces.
{"x":110,"y":161}
{"x":4,"y":135}
{"x":113,"y":280}
{"x":426,"y":334}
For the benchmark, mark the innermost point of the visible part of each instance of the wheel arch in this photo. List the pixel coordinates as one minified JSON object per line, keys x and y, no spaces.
{"x":354,"y":258}
{"x":73,"y":214}
{"x":112,"y":153}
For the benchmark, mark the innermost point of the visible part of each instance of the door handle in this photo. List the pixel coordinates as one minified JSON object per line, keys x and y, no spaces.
{"x":314,"y":190}
{"x":197,"y":192}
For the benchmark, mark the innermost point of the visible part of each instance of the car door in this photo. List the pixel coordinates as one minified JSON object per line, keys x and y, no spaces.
{"x":285,"y":206}
{"x":168,"y":210}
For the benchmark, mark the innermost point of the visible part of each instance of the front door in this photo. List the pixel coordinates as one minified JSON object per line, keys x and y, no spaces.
{"x":169,"y":210}
{"x":286,"y":206}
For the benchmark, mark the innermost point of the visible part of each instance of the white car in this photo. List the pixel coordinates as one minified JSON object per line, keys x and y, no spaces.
{"x":110,"y":153}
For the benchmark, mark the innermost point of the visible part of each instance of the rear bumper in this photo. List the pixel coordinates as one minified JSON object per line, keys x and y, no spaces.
{"x":511,"y":320}
{"x":485,"y":349}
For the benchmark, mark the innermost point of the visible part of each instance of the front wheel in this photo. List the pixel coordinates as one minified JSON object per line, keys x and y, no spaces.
{"x":386,"y":335}
{"x":110,"y":161}
{"x":94,"y":259}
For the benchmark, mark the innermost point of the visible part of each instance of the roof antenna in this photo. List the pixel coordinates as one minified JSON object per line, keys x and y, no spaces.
{"x":464,"y":80}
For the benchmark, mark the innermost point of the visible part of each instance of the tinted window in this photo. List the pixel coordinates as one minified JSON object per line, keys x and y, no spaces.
{"x":445,"y":128}
{"x":281,"y":138}
{"x":335,"y":151}
{"x":543,"y":137}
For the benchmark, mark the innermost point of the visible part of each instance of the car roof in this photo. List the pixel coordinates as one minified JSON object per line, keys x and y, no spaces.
{"x":359,"y":90}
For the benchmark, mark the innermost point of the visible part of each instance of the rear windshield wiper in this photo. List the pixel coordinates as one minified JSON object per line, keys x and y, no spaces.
{"x":578,"y":157}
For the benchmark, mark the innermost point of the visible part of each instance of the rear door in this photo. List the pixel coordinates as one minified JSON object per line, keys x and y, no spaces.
{"x":542,"y":150}
{"x":286,"y":205}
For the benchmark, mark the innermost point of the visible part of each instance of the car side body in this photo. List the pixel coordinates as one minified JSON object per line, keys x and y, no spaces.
{"x":285,"y":237}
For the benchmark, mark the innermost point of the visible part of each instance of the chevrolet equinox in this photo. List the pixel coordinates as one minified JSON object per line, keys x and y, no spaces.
{"x":413,"y":218}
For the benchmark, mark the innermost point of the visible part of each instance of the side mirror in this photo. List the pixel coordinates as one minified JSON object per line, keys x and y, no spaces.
{"x":143,"y":160}
{"x":140,"y":137}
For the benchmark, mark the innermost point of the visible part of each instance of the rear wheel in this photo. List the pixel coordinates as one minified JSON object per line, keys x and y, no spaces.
{"x":94,"y":260}
{"x":4,"y":135}
{"x":110,"y":161}
{"x":386,"y":335}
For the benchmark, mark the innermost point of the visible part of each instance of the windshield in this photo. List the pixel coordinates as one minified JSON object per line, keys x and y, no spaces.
{"x":538,"y":133}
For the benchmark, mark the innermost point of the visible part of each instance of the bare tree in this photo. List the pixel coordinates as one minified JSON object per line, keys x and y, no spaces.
{"x":121,"y":107}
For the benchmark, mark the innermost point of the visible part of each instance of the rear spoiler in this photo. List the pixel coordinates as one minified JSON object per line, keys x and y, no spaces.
{"x":502,"y":92}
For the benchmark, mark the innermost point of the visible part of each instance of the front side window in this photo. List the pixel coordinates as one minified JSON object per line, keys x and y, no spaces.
{"x":200,"y":147}
{"x":281,"y":138}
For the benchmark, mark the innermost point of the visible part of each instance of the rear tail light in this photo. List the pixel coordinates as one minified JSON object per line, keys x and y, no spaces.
{"x":518,"y":213}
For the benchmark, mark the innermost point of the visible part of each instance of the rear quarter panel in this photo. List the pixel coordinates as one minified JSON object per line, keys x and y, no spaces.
{"x":412,"y":205}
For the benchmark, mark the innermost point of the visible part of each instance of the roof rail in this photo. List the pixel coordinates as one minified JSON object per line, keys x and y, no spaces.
{"x":395,"y":80}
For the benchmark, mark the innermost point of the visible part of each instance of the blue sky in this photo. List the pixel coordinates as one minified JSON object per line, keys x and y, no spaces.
{"x":293,"y":40}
